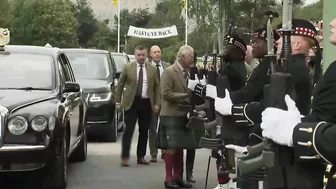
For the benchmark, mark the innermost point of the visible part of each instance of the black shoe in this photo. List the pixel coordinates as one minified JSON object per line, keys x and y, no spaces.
{"x":171,"y":185}
{"x":190,"y":177}
{"x":183,"y":184}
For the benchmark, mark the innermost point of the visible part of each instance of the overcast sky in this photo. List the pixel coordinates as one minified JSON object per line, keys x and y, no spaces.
{"x":309,"y":1}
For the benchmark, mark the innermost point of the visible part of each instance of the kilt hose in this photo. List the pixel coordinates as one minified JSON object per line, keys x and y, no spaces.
{"x":173,"y":134}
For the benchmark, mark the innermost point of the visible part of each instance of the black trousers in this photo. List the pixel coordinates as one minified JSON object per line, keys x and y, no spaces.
{"x":140,"y":110}
{"x":190,"y":160}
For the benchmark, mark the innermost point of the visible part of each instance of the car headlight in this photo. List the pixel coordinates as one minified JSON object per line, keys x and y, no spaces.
{"x":100,"y":97}
{"x":17,"y":125}
{"x":39,"y":123}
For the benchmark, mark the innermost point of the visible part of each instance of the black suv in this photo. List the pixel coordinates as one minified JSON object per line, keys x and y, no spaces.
{"x":95,"y":71}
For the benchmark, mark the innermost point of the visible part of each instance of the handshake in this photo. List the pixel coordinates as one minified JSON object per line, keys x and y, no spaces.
{"x":222,"y":105}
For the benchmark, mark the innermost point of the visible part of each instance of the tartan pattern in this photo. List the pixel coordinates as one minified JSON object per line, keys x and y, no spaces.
{"x":173,"y":134}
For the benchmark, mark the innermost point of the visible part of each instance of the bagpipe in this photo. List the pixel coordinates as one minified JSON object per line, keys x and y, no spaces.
{"x":268,"y":160}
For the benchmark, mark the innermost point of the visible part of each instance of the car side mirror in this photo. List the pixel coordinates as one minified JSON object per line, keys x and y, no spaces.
{"x":71,"y":87}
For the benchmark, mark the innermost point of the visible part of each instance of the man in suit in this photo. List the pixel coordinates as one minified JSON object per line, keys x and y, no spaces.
{"x":155,"y":54}
{"x":139,"y":88}
{"x":173,"y":135}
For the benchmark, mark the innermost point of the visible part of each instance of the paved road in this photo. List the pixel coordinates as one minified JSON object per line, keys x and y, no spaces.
{"x":102,"y":170}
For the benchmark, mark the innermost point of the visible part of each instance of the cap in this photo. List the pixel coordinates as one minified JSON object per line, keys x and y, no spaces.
{"x":236,"y":41}
{"x":307,"y":29}
{"x":302,"y":28}
{"x":262,"y":34}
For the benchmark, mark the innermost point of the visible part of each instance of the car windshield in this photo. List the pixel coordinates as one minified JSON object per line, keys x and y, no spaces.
{"x":26,"y":71}
{"x":132,"y":58}
{"x":120,"y":62}
{"x":89,"y":65}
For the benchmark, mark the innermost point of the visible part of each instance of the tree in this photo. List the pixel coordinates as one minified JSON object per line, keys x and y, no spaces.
{"x":241,"y":12}
{"x":137,"y":17}
{"x":4,"y":13}
{"x":44,"y":21}
{"x":167,"y":13}
{"x":87,"y":24}
{"x":312,"y":12}
{"x":200,"y":11}
{"x":102,"y":39}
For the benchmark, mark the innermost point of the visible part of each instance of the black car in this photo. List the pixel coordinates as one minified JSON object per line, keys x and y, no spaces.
{"x":120,"y":60}
{"x":42,"y":114}
{"x":95,"y":71}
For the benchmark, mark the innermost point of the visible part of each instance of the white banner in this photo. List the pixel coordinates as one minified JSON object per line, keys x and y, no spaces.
{"x":157,"y":33}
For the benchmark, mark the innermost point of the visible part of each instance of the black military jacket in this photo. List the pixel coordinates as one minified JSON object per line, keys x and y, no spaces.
{"x":250,"y":113}
{"x":236,"y":74}
{"x":253,"y":89}
{"x":314,"y":140}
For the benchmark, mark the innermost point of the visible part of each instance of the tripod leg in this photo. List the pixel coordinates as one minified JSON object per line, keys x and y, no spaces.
{"x":207,"y":173}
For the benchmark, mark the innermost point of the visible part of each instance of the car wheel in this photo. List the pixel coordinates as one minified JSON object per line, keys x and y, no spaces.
{"x":80,"y":154}
{"x":56,"y":176}
{"x":113,"y":135}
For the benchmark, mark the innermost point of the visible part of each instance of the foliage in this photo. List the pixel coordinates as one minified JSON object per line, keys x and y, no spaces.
{"x":169,"y":11}
{"x":102,"y":39}
{"x":44,"y":21}
{"x":65,"y":24}
{"x":312,"y":12}
{"x":4,"y":13}
{"x":87,"y":24}
{"x":137,"y":18}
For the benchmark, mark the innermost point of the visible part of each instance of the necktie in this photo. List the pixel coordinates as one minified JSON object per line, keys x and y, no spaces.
{"x":140,"y":80}
{"x":186,"y":76}
{"x":185,"y":73}
{"x":158,"y":70}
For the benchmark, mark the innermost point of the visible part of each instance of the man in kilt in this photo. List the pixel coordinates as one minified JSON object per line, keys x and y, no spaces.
{"x":173,"y":135}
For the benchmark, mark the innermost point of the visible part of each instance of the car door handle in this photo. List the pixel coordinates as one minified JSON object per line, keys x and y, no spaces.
{"x":70,"y":113}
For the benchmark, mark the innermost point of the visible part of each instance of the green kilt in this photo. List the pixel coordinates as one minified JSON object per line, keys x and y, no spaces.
{"x":173,"y":134}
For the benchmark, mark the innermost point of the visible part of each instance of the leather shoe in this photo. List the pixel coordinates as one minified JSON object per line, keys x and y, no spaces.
{"x":183,"y":184}
{"x":190,"y":177}
{"x":154,"y":159}
{"x":125,"y":162}
{"x":171,"y":185}
{"x":142,"y":161}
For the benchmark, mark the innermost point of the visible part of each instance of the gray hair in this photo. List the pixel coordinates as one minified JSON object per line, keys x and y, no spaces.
{"x":183,"y":51}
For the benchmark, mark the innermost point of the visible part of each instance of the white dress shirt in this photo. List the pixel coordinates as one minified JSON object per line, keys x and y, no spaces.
{"x":144,"y":80}
{"x":160,"y":67}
